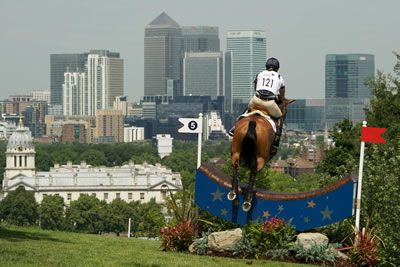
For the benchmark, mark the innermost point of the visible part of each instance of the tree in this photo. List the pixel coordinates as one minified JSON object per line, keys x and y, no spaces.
{"x":342,"y":159}
{"x":147,"y":218}
{"x":52,"y":213}
{"x":94,"y":157}
{"x":19,"y":207}
{"x":117,"y":215}
{"x":86,"y":215}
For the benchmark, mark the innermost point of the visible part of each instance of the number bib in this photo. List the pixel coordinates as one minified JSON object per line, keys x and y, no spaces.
{"x":270,"y":80}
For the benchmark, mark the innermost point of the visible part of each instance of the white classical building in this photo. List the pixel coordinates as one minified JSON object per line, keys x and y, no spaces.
{"x":129,"y":182}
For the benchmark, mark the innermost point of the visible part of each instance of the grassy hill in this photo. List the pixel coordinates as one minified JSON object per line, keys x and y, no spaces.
{"x":23,"y":246}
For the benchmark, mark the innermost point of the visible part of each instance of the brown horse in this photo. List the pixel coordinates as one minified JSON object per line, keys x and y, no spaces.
{"x":251,"y":145}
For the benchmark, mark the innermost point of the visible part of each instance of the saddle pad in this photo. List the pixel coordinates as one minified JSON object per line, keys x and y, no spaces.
{"x":258,"y":112}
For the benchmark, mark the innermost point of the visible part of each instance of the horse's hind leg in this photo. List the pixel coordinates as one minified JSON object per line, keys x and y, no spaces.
{"x":234,"y":190}
{"x":249,"y":194}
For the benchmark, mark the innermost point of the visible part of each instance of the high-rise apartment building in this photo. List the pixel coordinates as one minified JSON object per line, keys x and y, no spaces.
{"x":162,"y":56}
{"x":249,"y":51}
{"x":203,"y":74}
{"x":110,"y":123}
{"x":96,"y":87}
{"x":60,"y":63}
{"x":200,"y":39}
{"x":345,"y":90}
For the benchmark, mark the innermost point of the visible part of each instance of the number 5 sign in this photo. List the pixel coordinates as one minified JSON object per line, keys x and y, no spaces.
{"x":191,"y":125}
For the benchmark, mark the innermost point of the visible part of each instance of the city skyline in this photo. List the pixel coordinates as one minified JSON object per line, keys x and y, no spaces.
{"x":301,"y":39}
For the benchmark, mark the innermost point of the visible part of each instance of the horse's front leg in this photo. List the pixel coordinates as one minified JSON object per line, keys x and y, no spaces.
{"x":234,"y":190}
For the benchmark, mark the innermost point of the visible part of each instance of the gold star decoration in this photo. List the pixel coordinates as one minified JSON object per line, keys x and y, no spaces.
{"x":306,"y":220}
{"x":266,"y":214}
{"x":311,"y":204}
{"x":326,"y":213}
{"x":237,"y":202}
{"x":224,"y":212}
{"x":280,"y":208}
{"x":217,"y":195}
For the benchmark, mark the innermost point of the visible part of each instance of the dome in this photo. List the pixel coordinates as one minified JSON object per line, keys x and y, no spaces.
{"x":22,"y":137}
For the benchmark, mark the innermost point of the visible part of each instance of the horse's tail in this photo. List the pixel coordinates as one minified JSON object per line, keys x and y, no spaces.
{"x":248,"y":155}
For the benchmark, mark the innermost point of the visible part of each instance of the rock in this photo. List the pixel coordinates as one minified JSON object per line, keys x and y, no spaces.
{"x":224,"y":241}
{"x":192,"y":248}
{"x":308,"y":239}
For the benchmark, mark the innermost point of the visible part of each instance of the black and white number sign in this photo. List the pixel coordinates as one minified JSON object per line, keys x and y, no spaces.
{"x":191,"y":125}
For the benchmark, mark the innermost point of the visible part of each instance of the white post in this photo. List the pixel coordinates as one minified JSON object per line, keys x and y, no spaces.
{"x":199,"y":142}
{"x":360,"y":173}
{"x":199,"y":155}
{"x":129,"y":228}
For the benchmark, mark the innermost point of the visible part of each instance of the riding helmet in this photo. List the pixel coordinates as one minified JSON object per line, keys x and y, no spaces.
{"x":272,"y":63}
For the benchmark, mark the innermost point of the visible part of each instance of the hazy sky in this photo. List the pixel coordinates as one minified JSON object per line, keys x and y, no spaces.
{"x":299,"y":34}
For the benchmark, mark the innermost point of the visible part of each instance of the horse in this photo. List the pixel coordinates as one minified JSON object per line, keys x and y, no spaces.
{"x":251,"y":145}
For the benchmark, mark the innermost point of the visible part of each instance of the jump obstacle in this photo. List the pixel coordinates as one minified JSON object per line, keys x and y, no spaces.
{"x":307,"y":210}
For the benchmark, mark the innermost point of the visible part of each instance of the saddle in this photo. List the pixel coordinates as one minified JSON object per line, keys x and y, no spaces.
{"x":264,"y":112}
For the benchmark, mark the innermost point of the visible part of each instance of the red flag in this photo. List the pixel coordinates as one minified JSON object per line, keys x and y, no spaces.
{"x":372,"y":134}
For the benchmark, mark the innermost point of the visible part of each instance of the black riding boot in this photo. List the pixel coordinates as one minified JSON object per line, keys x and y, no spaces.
{"x":275,"y":143}
{"x":232,"y":130}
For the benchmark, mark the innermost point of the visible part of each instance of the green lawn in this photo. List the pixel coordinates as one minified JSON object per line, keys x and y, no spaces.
{"x":22,"y":246}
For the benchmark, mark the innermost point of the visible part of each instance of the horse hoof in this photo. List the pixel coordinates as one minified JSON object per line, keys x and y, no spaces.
{"x":231,"y":195}
{"x":246,"y":206}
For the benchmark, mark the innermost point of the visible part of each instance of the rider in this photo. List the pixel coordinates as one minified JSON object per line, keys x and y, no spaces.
{"x":269,"y":87}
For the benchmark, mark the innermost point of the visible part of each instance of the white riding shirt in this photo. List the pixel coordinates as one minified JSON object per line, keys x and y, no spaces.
{"x":270,"y":80}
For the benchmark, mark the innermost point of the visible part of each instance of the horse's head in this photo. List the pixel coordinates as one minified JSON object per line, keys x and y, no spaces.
{"x":283,"y":104}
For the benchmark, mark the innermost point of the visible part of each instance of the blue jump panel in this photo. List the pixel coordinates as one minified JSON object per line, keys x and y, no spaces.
{"x":307,"y":213}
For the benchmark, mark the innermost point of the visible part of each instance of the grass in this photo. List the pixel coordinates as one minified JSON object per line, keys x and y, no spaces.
{"x":27,"y":246}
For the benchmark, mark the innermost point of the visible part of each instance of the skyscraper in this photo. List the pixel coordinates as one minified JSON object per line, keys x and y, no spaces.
{"x":96,"y":88}
{"x":249,"y":51}
{"x":345,"y":90}
{"x":60,"y":63}
{"x":203,"y":74}
{"x":200,"y":39}
{"x":162,"y":56}
{"x":345,"y":75}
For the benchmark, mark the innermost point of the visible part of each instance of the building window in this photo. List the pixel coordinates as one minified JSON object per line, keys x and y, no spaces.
{"x":57,"y":194}
{"x":118,"y":195}
{"x":105,"y":195}
{"x":15,"y":161}
{"x":141,"y":195}
{"x":26,"y":160}
{"x":20,"y":161}
{"x":129,"y":195}
{"x":69,"y":196}
{"x":93,"y":194}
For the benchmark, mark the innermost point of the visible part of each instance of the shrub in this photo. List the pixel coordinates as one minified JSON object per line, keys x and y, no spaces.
{"x":317,"y":253}
{"x":201,"y":244}
{"x":260,"y":237}
{"x":272,"y":234}
{"x":177,"y":237}
{"x":364,"y":247}
{"x":243,"y":246}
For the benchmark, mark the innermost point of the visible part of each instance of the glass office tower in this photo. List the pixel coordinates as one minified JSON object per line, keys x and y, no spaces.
{"x":249,"y":51}
{"x":345,"y":87}
{"x":162,"y":56}
{"x":200,"y":39}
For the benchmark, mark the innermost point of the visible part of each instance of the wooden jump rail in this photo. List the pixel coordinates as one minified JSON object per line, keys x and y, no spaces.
{"x":226,"y":181}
